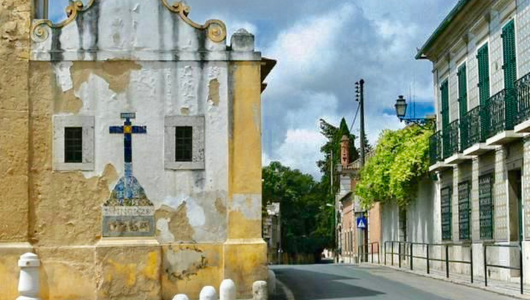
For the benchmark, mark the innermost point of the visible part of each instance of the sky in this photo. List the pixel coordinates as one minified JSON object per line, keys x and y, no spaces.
{"x":323,"y":48}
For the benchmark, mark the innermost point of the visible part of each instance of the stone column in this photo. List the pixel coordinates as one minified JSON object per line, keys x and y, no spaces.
{"x":245,"y":252}
{"x":500,"y":200}
{"x":454,"y":205}
{"x":526,"y":187}
{"x":475,"y":213}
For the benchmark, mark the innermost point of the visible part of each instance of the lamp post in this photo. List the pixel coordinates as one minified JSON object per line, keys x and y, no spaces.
{"x":401,"y":112}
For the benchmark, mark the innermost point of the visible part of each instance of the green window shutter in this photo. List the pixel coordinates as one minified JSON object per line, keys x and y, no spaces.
{"x":508,"y":46}
{"x":464,"y":210}
{"x":446,"y":213}
{"x":445,"y":104}
{"x":483,"y":74}
{"x":485,"y":196}
{"x":462,"y":90}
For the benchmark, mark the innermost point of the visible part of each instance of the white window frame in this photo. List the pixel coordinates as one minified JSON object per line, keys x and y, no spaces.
{"x":87,"y":123}
{"x":198,"y":150}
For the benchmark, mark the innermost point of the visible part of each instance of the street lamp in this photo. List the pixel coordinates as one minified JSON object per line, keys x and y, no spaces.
{"x":401,"y":107}
{"x":401,"y":112}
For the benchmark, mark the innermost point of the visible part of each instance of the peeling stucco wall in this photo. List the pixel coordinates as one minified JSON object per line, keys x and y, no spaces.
{"x":104,"y":90}
{"x":129,"y":56}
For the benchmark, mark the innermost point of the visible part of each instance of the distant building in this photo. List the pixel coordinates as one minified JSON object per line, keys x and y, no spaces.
{"x":272,"y":232}
{"x":353,"y":241}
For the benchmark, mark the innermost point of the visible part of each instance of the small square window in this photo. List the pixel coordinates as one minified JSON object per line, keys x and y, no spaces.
{"x":73,"y":144}
{"x":183,"y":143}
{"x":184,"y":146}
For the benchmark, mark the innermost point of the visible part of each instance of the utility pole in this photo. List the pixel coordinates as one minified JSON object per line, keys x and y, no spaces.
{"x":360,"y":97}
{"x":361,"y":104}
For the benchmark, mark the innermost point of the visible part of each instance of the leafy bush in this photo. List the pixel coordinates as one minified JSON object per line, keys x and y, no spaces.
{"x":401,"y":159}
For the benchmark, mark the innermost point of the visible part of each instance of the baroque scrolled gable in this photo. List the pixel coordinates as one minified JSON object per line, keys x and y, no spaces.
{"x":145,"y":30}
{"x":216,"y":29}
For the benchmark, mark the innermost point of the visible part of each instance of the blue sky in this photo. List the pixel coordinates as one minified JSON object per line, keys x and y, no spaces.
{"x":323,"y":48}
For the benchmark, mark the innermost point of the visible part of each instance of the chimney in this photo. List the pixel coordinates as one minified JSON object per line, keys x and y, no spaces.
{"x":344,"y":151}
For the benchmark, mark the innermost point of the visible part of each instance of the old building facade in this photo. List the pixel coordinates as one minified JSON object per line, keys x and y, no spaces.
{"x":356,"y":244}
{"x":478,"y":192}
{"x":117,"y":83}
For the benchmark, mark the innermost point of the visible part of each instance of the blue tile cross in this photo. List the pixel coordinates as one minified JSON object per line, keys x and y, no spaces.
{"x":128,"y":187}
{"x":127,"y":130}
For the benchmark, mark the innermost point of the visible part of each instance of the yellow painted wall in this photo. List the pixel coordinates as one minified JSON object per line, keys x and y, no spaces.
{"x":245,"y":251}
{"x":14,"y":53}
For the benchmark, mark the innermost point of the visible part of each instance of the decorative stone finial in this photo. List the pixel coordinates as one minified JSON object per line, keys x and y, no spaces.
{"x":242,"y":41}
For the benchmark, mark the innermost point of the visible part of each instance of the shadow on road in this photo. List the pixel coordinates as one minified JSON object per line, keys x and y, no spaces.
{"x":311,"y":285}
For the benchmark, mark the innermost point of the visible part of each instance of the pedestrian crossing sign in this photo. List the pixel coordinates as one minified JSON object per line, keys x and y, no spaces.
{"x":361,"y":223}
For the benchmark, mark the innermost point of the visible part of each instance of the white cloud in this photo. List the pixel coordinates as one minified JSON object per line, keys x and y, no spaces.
{"x":308,"y":48}
{"x":301,"y":149}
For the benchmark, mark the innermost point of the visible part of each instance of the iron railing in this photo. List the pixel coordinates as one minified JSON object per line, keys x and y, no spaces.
{"x":371,"y":247}
{"x":499,"y":110}
{"x":471,"y":126}
{"x":522,"y":101}
{"x":435,"y":148}
{"x":403,"y":246}
{"x":486,"y":265}
{"x":451,"y":140}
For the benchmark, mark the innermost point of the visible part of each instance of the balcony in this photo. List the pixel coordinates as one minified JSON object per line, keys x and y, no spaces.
{"x":499,"y":118}
{"x":451,"y":144}
{"x":503,"y":119}
{"x":435,"y":152}
{"x":522,"y":105}
{"x":473,"y":126}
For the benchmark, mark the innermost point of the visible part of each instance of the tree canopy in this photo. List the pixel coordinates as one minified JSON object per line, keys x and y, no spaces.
{"x":305,"y":222}
{"x":401,"y":159}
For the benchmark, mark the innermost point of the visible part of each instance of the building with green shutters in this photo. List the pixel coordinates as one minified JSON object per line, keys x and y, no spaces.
{"x":480,"y":153}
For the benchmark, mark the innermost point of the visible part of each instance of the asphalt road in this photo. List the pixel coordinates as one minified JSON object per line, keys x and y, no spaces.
{"x":331,"y":281}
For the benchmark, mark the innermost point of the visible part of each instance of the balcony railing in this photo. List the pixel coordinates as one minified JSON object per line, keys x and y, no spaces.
{"x":522,"y":101}
{"x":451,"y":139}
{"x":471,"y":126}
{"x":435,"y":148}
{"x":499,"y":112}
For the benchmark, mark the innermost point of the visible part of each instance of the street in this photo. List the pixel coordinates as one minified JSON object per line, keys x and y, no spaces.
{"x":331,"y":281}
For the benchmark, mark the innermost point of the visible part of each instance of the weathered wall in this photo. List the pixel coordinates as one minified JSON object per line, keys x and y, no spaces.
{"x":143,"y":57}
{"x":14,"y":105}
{"x":14,"y":48}
{"x":245,"y":251}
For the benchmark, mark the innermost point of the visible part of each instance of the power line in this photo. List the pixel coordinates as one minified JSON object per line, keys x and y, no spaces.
{"x":355,"y":117}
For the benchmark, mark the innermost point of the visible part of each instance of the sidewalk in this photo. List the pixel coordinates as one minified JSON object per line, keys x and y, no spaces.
{"x":505,"y":288}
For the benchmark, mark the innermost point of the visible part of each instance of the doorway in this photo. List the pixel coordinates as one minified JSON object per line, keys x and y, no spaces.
{"x":515,"y":203}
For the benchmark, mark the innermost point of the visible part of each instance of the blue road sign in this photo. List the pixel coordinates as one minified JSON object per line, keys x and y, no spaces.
{"x":361,"y":223}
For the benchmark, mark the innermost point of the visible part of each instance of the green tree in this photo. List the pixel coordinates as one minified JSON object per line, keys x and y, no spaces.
{"x":302,"y":208}
{"x":400,"y":161}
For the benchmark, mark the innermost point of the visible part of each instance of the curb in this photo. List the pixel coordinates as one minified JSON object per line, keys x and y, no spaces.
{"x":471,"y":285}
{"x":288,"y":293}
